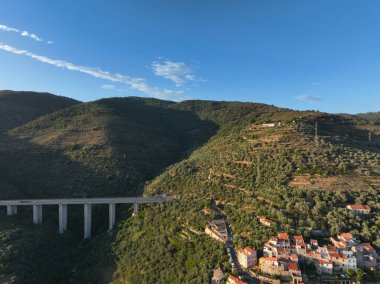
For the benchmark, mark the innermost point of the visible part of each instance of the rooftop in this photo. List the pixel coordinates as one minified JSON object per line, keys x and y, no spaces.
{"x":218,"y":273}
{"x":236,"y":280}
{"x":358,"y":207}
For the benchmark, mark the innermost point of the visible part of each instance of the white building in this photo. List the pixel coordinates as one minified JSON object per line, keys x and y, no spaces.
{"x":247,"y":257}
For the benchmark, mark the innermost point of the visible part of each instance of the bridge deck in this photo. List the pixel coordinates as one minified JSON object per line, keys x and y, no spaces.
{"x":98,"y":200}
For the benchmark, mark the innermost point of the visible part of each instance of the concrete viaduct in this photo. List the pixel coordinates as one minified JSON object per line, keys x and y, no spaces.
{"x":86,"y":202}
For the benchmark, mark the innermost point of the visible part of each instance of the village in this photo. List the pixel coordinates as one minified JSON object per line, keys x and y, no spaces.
{"x":295,"y":259}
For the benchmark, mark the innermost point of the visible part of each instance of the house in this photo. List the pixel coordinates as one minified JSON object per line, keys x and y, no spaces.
{"x":266,"y":222}
{"x":234,"y":280}
{"x":271,"y":265}
{"x":366,"y":256}
{"x":294,"y":258}
{"x":314,"y":243}
{"x":359,"y":208}
{"x":217,"y":229}
{"x":217,"y":276}
{"x":301,"y":248}
{"x":299,"y":239}
{"x":345,"y":262}
{"x":247,"y":257}
{"x":288,"y":271}
{"x":277,"y":247}
{"x":344,"y":241}
{"x":325,"y":267}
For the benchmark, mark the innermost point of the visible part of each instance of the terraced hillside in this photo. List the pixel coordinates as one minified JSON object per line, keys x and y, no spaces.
{"x":266,"y":162}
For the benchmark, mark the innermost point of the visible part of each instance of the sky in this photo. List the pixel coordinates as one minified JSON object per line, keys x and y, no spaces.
{"x":316,"y":54}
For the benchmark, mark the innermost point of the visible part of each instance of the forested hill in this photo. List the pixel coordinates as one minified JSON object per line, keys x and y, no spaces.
{"x":18,"y":108}
{"x":107,"y":147}
{"x":298,"y":168}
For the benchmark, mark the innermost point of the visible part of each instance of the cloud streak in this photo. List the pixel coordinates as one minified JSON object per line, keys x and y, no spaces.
{"x":178,"y":72}
{"x":107,"y":87}
{"x":308,"y":98}
{"x":138,"y":84}
{"x":23,"y":33}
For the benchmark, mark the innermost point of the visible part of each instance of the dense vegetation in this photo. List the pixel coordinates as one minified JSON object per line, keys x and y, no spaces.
{"x":109,"y":147}
{"x":199,"y":151}
{"x":34,"y":254}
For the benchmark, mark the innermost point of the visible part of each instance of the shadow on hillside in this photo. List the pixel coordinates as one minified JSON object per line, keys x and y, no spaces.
{"x":20,"y":107}
{"x":156,"y":137}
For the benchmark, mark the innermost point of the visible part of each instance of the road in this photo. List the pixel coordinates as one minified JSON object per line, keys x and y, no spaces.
{"x":231,"y":249}
{"x":98,"y":200}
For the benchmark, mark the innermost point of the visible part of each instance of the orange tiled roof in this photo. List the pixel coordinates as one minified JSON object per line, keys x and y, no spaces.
{"x":218,"y":272}
{"x":358,"y":207}
{"x":331,"y":249}
{"x":368,"y":246}
{"x":293,"y":266}
{"x":324,"y":261}
{"x":298,"y":238}
{"x":236,"y":280}
{"x":283,"y":236}
{"x":347,"y":236}
{"x":246,"y":250}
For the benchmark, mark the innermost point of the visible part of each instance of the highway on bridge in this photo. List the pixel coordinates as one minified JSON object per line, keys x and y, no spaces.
{"x":87,"y":203}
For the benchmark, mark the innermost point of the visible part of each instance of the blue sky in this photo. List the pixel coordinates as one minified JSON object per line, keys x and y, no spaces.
{"x":321,"y":54}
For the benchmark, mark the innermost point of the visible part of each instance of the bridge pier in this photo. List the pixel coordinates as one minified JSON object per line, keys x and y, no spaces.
{"x":37,"y":214}
{"x":112,"y":215}
{"x":37,"y":204}
{"x":135,"y":208}
{"x":11,"y":210}
{"x":87,"y":221}
{"x":62,"y":216}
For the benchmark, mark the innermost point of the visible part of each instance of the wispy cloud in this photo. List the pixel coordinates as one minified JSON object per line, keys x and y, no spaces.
{"x":315,"y":83}
{"x":107,"y":87}
{"x":178,"y":72}
{"x":308,"y":98}
{"x":23,"y":33}
{"x":138,"y":84}
{"x":32,"y":36}
{"x":8,"y":29}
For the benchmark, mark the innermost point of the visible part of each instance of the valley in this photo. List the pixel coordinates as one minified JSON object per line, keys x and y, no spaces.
{"x":298,"y":169}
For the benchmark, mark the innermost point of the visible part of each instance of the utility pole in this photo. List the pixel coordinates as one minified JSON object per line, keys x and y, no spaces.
{"x":369,"y":137}
{"x":316,"y":133}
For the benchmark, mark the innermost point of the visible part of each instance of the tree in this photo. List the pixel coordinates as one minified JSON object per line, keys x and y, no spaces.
{"x":359,"y":276}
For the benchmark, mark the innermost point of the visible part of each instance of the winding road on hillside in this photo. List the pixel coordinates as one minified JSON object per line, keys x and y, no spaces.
{"x":245,"y":275}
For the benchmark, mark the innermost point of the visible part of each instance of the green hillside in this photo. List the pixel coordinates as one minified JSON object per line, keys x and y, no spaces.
{"x":283,"y":172}
{"x":251,"y":159}
{"x":108,"y":147}
{"x":18,"y":108}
